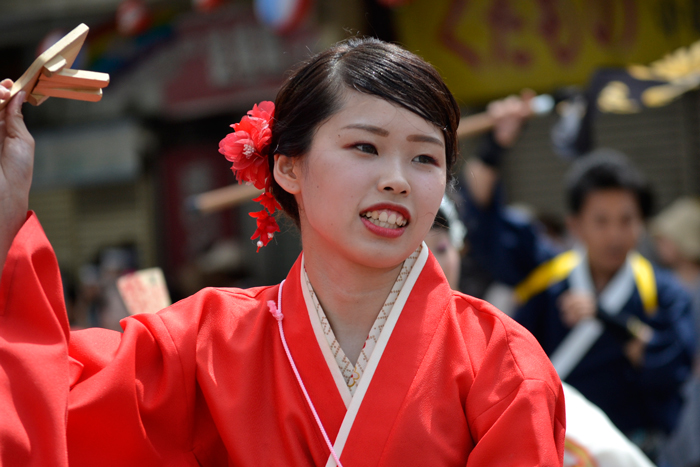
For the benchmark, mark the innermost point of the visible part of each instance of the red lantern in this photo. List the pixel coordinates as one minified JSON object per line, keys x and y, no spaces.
{"x":133,"y":17}
{"x":206,"y":6}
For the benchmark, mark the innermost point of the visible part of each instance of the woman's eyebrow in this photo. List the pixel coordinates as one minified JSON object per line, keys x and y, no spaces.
{"x":371,"y":128}
{"x":424,"y":139}
{"x":382,"y":132}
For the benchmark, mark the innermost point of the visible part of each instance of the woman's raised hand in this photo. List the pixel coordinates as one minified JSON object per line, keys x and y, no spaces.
{"x":16,"y":164}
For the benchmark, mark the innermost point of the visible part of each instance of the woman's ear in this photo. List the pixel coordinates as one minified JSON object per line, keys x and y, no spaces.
{"x":286,"y":173}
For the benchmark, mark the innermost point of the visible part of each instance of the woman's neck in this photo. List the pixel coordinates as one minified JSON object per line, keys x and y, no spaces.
{"x":351,"y":296}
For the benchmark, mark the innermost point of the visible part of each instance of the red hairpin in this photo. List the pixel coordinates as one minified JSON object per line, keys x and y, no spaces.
{"x":247,"y":147}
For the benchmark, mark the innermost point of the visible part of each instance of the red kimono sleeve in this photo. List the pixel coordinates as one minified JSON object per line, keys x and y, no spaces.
{"x":95,"y":397}
{"x":33,"y":353}
{"x":516,"y":403}
{"x":519,"y":429}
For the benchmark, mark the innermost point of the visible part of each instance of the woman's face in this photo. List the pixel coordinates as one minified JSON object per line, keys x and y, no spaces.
{"x":371,"y":183}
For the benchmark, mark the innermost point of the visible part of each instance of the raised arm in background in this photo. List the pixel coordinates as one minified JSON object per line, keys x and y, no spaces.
{"x":503,"y":242}
{"x":481,"y":173}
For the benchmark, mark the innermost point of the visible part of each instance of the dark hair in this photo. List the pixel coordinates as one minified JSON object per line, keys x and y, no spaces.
{"x":606,"y":169}
{"x":441,"y":221}
{"x":313,"y":93}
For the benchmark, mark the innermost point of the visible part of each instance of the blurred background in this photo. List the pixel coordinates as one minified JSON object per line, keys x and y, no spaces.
{"x":112,"y":178}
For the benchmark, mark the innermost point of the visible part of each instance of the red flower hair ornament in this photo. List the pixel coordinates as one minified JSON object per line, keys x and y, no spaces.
{"x":248,"y":147}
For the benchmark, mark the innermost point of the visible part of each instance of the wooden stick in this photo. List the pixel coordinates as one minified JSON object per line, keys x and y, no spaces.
{"x":476,"y":124}
{"x":68,"y":78}
{"x":79,"y":94}
{"x":222,"y":198}
{"x":36,"y":99}
{"x":68,"y":48}
{"x":473,"y":125}
{"x":54,"y":66}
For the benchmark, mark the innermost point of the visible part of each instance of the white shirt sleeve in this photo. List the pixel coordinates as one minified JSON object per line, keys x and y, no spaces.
{"x":591,"y":434}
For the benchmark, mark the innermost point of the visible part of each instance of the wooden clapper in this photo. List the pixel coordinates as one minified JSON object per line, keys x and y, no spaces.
{"x":51,"y":76}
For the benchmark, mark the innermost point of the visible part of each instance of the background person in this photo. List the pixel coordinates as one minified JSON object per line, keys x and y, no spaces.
{"x":676,"y":232}
{"x":591,"y":438}
{"x":446,"y":241}
{"x":639,"y":347}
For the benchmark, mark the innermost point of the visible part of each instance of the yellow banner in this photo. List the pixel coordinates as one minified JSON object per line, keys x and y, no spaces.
{"x":487,"y":49}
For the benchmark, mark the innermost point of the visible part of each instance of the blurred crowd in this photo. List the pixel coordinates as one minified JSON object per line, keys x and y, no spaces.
{"x":95,"y":300}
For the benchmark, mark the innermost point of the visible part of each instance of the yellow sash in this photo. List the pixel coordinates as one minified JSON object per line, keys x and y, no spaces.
{"x":558,"y":268}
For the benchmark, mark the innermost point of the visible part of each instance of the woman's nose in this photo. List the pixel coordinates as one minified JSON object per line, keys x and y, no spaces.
{"x":393,"y":179}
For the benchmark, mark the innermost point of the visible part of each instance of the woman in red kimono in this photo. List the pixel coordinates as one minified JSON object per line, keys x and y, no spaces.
{"x":363,"y":356}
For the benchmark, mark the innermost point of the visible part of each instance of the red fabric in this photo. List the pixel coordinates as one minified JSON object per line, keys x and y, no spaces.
{"x":206,"y":382}
{"x":33,"y":354}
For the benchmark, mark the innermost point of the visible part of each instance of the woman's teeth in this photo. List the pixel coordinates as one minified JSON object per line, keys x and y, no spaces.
{"x":388,"y":220}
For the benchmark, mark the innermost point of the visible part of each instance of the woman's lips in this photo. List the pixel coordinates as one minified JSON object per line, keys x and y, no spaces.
{"x":389,"y":232}
{"x":386,"y":220}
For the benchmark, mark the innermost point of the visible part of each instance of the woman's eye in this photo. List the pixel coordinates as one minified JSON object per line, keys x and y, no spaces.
{"x":365,"y":147}
{"x":425,"y":159}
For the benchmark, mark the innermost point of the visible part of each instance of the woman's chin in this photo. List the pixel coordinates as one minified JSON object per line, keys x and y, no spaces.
{"x":360,"y":246}
{"x":384,"y":255}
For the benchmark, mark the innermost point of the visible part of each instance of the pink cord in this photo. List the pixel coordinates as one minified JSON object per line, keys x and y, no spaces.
{"x":277,"y":314}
